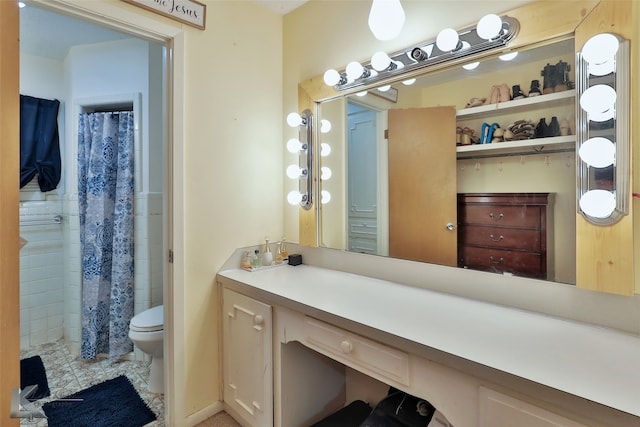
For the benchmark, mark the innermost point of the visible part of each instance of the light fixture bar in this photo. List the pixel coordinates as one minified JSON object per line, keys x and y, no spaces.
{"x":305,"y":159}
{"x":427,"y":54}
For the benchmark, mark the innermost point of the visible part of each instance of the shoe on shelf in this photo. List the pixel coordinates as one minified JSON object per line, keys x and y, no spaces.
{"x":564,"y":127}
{"x":542,"y":129}
{"x":517,"y":92}
{"x":475,"y":102}
{"x":505,"y":94}
{"x":494,"y":95}
{"x":554,"y":127}
{"x":535,"y":88}
{"x":550,"y":78}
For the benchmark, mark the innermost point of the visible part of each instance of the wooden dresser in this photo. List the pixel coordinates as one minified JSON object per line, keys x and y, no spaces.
{"x":504,"y":232}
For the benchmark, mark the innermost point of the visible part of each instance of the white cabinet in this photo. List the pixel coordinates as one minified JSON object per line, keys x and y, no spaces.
{"x":247,"y":359}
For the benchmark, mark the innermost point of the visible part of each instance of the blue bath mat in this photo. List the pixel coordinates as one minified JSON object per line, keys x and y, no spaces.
{"x":32,"y":373}
{"x":113,"y":403}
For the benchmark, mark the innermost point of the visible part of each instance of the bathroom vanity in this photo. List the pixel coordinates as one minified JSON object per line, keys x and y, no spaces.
{"x":301,"y":342}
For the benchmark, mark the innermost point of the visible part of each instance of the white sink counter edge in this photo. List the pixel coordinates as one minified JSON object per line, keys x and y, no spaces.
{"x":592,"y":362}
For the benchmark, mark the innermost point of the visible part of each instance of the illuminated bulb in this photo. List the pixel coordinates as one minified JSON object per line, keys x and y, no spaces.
{"x":380,"y":61}
{"x":386,"y":19}
{"x":384,"y":88}
{"x":600,"y":52}
{"x":325,"y":126}
{"x":447,"y":40}
{"x":325,"y":173}
{"x":508,"y":56}
{"x":489,"y":27}
{"x":598,"y":152}
{"x":294,"y":120}
{"x":399,"y":65}
{"x":331,"y":77}
{"x":294,"y":197}
{"x":361,"y":94}
{"x":325,"y":149}
{"x":294,"y":146}
{"x":599,"y":102}
{"x":294,"y":171}
{"x":21,"y":4}
{"x":409,"y":82}
{"x":598,"y":203}
{"x":354,"y":70}
{"x":326,"y":197}
{"x":471,"y":66}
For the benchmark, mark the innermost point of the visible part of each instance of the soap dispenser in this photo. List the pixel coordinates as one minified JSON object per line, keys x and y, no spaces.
{"x":267,"y":255}
{"x":283,"y":251}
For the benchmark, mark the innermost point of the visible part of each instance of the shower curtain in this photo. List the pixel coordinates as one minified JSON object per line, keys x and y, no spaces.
{"x":106,"y":200}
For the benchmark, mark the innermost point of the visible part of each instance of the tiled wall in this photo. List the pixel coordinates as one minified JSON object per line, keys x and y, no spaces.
{"x":41,"y":274}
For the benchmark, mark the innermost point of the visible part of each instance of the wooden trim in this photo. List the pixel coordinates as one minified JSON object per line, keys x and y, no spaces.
{"x":9,"y":201}
{"x":604,"y":255}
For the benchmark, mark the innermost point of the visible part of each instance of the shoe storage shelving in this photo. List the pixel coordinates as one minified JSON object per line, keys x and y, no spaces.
{"x":538,"y":145}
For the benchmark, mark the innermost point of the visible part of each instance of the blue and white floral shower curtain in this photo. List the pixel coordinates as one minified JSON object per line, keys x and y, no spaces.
{"x":106,"y":200}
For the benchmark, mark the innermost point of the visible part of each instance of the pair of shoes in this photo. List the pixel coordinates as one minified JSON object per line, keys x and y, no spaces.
{"x":535,"y":88}
{"x":499,"y":93}
{"x":519,"y":130}
{"x":556,"y":77}
{"x":464,"y":135}
{"x":475,"y":102}
{"x":486,"y":134}
{"x":517,"y":93}
{"x":544,"y":130}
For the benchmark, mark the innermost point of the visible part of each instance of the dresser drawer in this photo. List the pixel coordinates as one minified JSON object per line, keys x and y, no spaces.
{"x":496,"y":237}
{"x":526,"y":264}
{"x":373,"y":358}
{"x":501,"y":216}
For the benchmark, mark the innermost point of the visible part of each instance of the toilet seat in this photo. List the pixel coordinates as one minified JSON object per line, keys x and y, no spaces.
{"x":149,"y":320}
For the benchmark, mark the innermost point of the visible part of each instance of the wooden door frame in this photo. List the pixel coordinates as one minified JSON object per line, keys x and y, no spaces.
{"x":127,"y":19}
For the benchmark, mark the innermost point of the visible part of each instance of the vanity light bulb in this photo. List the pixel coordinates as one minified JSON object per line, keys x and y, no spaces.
{"x":508,"y":56}
{"x":471,"y":66}
{"x":384,"y":88}
{"x":325,"y":173}
{"x":598,"y":203}
{"x":325,"y":149}
{"x":21,"y":4}
{"x":294,"y":120}
{"x":325,"y":126}
{"x":361,"y":94}
{"x":294,"y":197}
{"x":489,"y":27}
{"x":331,"y":77}
{"x":408,"y":82}
{"x":600,"y":49}
{"x":294,"y":171}
{"x":399,"y":65}
{"x":294,"y":146}
{"x":386,"y":19}
{"x":326,"y":197}
{"x":354,"y":70}
{"x":598,"y":152}
{"x":447,"y":40}
{"x":380,"y":61}
{"x":599,"y":102}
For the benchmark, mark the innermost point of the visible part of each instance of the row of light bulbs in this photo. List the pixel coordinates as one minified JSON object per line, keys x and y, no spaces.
{"x":448,"y":40}
{"x":296,"y":172}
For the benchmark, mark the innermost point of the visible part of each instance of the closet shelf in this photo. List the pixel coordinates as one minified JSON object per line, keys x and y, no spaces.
{"x":553,"y":99}
{"x":527,"y":146}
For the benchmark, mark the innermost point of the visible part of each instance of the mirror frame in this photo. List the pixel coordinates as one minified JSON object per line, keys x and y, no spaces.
{"x":605,"y":255}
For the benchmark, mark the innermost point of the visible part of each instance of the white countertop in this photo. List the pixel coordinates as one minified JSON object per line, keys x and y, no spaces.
{"x":595,"y":363}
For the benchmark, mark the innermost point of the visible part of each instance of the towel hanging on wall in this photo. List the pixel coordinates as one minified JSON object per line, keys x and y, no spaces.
{"x":39,"y":142}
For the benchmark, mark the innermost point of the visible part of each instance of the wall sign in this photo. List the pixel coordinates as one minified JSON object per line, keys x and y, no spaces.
{"x":189,"y":12}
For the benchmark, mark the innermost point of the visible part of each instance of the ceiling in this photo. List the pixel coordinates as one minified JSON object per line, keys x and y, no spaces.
{"x":51,"y":35}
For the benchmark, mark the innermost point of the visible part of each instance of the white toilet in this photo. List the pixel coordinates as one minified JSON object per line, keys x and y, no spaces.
{"x":146,"y":331}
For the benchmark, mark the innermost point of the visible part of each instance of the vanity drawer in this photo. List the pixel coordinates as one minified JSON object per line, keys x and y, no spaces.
{"x":527,"y":264}
{"x":496,"y":237}
{"x":501,"y":216}
{"x":363,"y":354}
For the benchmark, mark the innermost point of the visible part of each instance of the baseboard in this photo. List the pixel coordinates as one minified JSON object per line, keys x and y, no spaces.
{"x":203,"y":414}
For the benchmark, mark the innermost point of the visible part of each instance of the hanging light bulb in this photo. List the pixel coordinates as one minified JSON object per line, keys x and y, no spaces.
{"x":294,"y":197}
{"x":489,"y":27}
{"x":325,"y":173}
{"x":325,"y":149}
{"x":386,"y":19}
{"x":325,"y":126}
{"x":448,"y":40}
{"x":326,"y":197}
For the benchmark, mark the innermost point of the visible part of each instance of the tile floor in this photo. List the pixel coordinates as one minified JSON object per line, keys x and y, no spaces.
{"x":68,"y":374}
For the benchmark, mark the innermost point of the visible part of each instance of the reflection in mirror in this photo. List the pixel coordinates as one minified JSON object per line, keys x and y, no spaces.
{"x":522,"y":110}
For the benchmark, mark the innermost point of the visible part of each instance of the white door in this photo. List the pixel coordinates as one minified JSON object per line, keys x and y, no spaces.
{"x":362,"y":189}
{"x":247,"y":358}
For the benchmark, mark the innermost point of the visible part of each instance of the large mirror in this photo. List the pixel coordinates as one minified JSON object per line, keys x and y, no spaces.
{"x":411,"y":179}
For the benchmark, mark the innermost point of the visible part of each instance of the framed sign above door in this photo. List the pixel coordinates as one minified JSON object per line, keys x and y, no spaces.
{"x":189,"y":12}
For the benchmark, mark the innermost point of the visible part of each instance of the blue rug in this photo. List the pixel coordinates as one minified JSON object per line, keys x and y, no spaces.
{"x":32,"y":372}
{"x":113,"y":403}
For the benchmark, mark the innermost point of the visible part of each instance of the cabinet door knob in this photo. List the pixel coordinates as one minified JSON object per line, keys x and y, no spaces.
{"x":258,"y":319}
{"x":346,"y":346}
{"x":451,"y":227}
